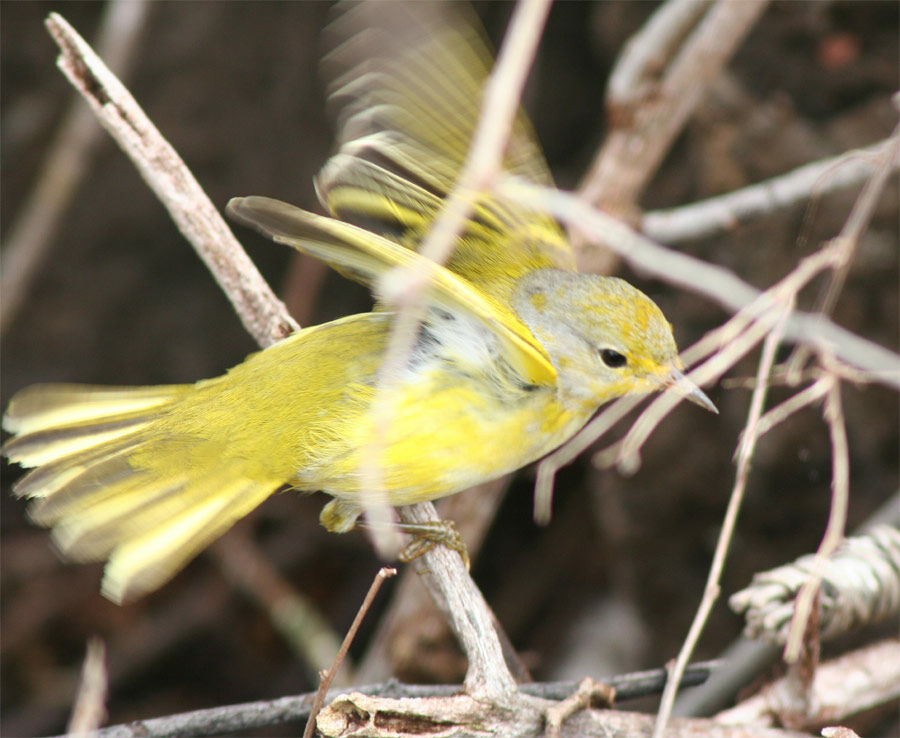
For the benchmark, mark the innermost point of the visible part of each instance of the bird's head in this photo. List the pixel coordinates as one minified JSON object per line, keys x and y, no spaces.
{"x":605,"y":338}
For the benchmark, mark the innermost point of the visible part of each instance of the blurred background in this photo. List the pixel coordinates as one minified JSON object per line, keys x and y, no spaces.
{"x":611,"y":585}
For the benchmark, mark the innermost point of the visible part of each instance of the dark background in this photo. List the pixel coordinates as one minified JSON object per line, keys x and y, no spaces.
{"x":617,"y":576}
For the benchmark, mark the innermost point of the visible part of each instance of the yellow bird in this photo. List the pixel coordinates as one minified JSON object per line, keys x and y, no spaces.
{"x":517,"y":350}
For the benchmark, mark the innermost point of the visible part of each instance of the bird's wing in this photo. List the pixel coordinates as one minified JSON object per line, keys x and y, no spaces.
{"x":409,"y":79}
{"x":367,"y":257}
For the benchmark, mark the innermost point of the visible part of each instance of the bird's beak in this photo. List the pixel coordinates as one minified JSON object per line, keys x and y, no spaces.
{"x":690,"y":391}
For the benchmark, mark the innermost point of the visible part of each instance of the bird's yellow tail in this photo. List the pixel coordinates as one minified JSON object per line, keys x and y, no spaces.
{"x":93,"y":486}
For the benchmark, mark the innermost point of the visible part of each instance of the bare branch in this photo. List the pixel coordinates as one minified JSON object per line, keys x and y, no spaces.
{"x":90,"y":702}
{"x":837,"y":518}
{"x":725,"y":212}
{"x":285,"y":710}
{"x":441,"y":570}
{"x":644,"y":131}
{"x":859,"y":219}
{"x":383,"y":573}
{"x":647,"y":53}
{"x":843,"y":687}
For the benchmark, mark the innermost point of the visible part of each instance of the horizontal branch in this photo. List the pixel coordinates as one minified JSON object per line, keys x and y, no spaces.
{"x":845,"y":686}
{"x":267,"y":713}
{"x":723,"y":213}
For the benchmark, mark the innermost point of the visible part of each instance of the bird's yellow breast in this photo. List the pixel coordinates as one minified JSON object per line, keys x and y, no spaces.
{"x":445,"y":432}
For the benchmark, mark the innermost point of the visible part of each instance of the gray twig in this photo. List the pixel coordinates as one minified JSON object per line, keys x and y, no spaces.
{"x":725,"y":212}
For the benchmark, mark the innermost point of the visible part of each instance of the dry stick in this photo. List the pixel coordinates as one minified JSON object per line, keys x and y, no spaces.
{"x":409,"y":614}
{"x":383,"y":573}
{"x":638,"y":67}
{"x":250,"y":716}
{"x":714,"y":282}
{"x":90,"y":701}
{"x":723,"y":213}
{"x":745,"y":455}
{"x":261,"y":313}
{"x":844,"y":686}
{"x":259,"y":310}
{"x":852,"y":232}
{"x":796,"y":402}
{"x":859,"y":219}
{"x":632,"y":153}
{"x":30,"y":237}
{"x":837,"y":518}
{"x":487,"y":674}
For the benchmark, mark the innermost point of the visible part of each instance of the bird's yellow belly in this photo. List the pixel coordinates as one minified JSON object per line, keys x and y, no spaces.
{"x":443,"y":434}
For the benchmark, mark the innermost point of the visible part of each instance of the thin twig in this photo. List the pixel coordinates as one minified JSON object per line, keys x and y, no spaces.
{"x":645,"y":56}
{"x":30,"y":237}
{"x":90,"y":702}
{"x":410,"y":617}
{"x":633,"y":151}
{"x":858,"y":221}
{"x":725,"y":212}
{"x":745,"y":456}
{"x":837,"y":517}
{"x":793,"y":404}
{"x":854,"y":228}
{"x":383,"y":573}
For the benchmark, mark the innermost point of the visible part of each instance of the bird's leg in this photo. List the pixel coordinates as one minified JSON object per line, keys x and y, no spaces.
{"x":426,"y":536}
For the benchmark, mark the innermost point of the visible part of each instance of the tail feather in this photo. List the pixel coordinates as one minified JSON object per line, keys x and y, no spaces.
{"x":44,"y":446}
{"x":55,"y":421}
{"x":49,"y":406}
{"x":92,"y":529}
{"x":144,"y":563}
{"x":112,"y":482}
{"x":46,"y":480}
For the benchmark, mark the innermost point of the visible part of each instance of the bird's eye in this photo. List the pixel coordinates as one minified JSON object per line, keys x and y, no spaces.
{"x":612,"y":358}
